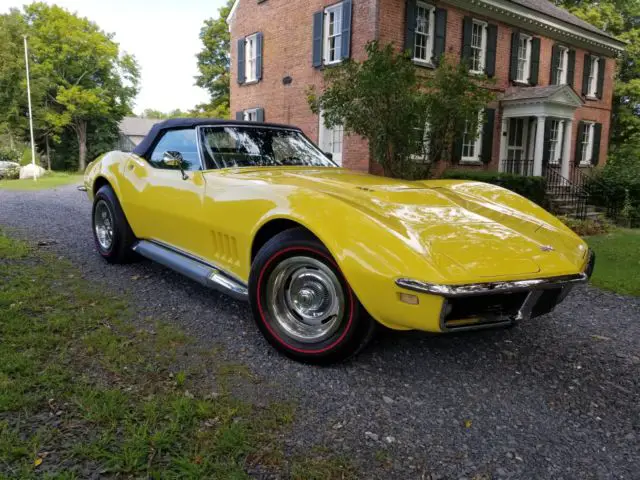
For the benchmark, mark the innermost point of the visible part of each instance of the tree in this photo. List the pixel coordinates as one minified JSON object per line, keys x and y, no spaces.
{"x":12,"y":94}
{"x":620,"y":18}
{"x":385,"y":100}
{"x":214,"y":63}
{"x":79,"y":79}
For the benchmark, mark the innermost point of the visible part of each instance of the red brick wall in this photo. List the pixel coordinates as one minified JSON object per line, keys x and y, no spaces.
{"x":392,"y":29}
{"x":287,"y":29}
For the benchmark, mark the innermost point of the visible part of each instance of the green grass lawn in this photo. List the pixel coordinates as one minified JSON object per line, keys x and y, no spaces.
{"x":51,"y":180}
{"x":618,"y":261}
{"x":85,"y":391}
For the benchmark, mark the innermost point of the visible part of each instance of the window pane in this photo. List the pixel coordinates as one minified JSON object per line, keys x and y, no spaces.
{"x":235,"y":147}
{"x":422,"y":34}
{"x":477,"y":53}
{"x":179,"y":144}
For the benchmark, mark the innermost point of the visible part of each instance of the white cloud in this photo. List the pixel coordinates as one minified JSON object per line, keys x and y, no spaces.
{"x":163,"y":36}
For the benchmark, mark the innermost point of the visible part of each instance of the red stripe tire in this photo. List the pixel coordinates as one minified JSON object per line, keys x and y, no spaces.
{"x":302,"y":303}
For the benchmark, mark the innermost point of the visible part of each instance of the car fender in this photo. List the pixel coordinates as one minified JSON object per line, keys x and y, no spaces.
{"x":349,"y":234}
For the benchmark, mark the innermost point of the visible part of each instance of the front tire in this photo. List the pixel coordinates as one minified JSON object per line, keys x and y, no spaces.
{"x":112,"y":234}
{"x":302,"y":303}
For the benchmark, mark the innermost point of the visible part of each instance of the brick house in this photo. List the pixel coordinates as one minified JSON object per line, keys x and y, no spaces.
{"x":553,"y":72}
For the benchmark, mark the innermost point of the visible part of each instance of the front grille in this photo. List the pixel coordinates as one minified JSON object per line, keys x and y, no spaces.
{"x":480,"y":310}
{"x":547,"y":302}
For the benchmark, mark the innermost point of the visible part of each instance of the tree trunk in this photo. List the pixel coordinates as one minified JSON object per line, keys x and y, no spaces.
{"x":48,"y":152}
{"x":81,"y":131}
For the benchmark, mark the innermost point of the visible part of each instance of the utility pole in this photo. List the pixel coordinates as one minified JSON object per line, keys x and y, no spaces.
{"x":33,"y":145}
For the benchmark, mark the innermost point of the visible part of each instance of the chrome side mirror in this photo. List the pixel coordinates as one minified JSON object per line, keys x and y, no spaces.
{"x":175,"y":160}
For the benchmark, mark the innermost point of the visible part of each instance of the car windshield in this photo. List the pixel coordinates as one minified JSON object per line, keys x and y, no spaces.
{"x":233,"y":147}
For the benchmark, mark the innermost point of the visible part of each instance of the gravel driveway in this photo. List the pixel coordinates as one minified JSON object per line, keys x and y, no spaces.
{"x":556,"y":397}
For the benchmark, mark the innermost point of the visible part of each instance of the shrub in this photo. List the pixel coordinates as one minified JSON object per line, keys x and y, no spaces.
{"x":617,"y":186}
{"x":587,"y":228}
{"x":26,"y":157}
{"x":9,"y":155}
{"x":533,"y":188}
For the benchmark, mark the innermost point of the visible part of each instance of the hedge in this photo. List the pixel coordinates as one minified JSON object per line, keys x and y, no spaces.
{"x":533,"y":188}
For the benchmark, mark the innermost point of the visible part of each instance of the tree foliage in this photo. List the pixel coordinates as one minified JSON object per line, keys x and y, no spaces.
{"x":214,"y":62}
{"x":386,"y":101}
{"x":81,"y":84}
{"x":620,"y":18}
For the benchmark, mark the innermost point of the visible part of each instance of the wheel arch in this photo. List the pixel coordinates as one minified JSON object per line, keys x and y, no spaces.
{"x":270,"y":229}
{"x":100,"y":182}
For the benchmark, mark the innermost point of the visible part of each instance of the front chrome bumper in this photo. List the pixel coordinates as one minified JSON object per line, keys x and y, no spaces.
{"x":494,"y":304}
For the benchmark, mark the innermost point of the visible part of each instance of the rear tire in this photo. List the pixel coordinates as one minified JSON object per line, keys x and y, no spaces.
{"x":112,"y":234}
{"x":303,"y":304}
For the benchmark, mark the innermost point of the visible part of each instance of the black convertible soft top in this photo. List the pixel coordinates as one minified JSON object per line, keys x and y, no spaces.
{"x":145,"y":147}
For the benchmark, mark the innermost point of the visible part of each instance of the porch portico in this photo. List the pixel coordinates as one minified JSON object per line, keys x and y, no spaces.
{"x":537,"y":129}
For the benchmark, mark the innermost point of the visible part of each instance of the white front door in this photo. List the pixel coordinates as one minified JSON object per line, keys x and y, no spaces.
{"x":330,"y":140}
{"x":516,"y":159}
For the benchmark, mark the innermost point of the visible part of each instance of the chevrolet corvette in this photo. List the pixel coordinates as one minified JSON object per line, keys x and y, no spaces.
{"x":323,"y":254}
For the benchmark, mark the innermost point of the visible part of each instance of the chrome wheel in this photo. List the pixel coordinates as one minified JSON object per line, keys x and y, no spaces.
{"x":305,"y":299}
{"x":103,"y":225}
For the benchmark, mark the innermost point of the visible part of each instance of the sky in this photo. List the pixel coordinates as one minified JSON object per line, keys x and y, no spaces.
{"x":161,"y":34}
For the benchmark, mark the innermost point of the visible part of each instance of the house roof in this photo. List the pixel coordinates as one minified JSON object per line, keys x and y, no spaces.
{"x":552,"y":10}
{"x":137,"y":127}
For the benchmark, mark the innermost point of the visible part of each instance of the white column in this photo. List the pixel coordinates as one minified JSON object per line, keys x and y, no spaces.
{"x":539,"y":150}
{"x":504,"y":140}
{"x":566,"y":152}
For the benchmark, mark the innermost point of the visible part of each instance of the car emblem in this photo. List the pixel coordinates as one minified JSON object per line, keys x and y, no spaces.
{"x":547,"y":248}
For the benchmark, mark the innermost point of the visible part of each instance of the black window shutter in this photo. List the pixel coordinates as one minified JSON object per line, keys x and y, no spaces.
{"x":597,"y":138}
{"x":259,"y":49}
{"x":467,"y":29}
{"x":585,"y":74}
{"x":535,"y":61}
{"x":546,"y":154}
{"x":492,"y":49}
{"x":601,"y":68}
{"x":318,"y":26}
{"x":571,"y":68}
{"x":579,"y":138}
{"x":487,"y":134}
{"x":347,"y":13}
{"x":240,"y":116}
{"x":242,"y":77}
{"x":260,"y":114}
{"x":555,"y":62}
{"x":440,"y":39}
{"x":409,"y":39}
{"x":515,"y":44}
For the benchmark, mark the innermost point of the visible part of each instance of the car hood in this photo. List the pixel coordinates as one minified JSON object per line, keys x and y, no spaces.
{"x":466,"y":233}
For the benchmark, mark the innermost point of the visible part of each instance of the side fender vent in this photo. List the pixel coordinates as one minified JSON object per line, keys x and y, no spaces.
{"x":225,"y":248}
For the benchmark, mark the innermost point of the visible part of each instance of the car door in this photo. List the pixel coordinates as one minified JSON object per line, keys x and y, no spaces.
{"x":169,"y":190}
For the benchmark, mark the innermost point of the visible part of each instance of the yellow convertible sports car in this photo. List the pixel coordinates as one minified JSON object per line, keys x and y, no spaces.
{"x":324,"y":254}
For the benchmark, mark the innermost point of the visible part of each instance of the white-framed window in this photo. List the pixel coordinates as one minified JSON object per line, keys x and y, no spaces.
{"x":478,"y":46}
{"x":251,"y":115}
{"x":556,"y":136}
{"x":472,"y":140}
{"x":424,"y":33}
{"x":251,"y":57}
{"x":562,"y":67}
{"x":524,"y":59}
{"x":333,"y":34}
{"x":593,"y":77}
{"x":586,"y":145}
{"x":331,"y":140}
{"x":424,"y":153}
